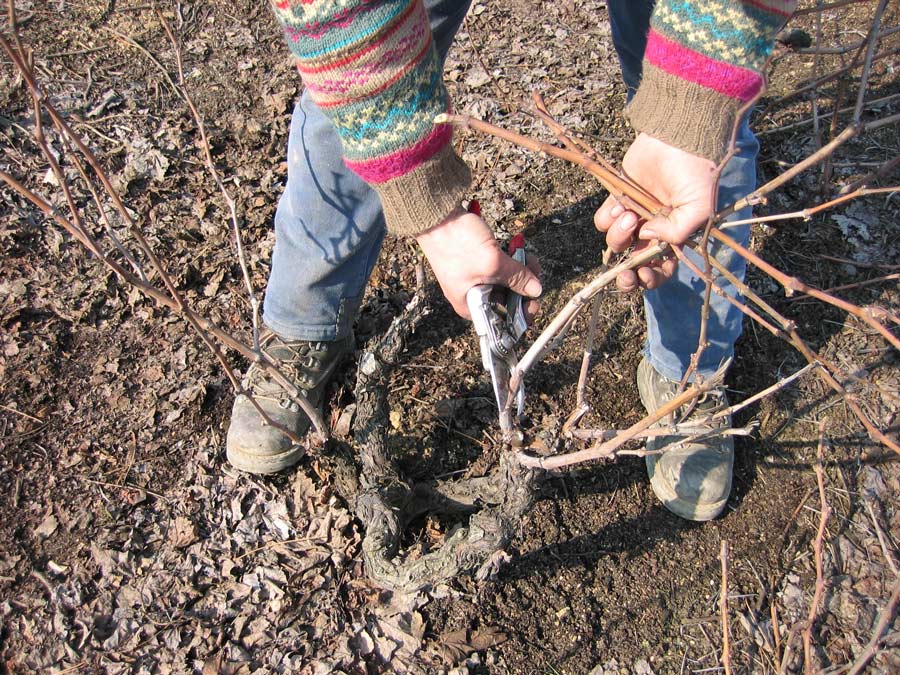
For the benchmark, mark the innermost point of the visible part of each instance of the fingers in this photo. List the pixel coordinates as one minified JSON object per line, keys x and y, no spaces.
{"x":627,"y":281}
{"x":534,"y":264}
{"x":650,"y":276}
{"x":621,"y":235}
{"x":619,"y":224}
{"x":646,"y":277}
{"x":609,"y":210}
{"x":533,"y":307}
{"x":513,"y":275}
{"x":524,"y":280}
{"x":459,"y":304}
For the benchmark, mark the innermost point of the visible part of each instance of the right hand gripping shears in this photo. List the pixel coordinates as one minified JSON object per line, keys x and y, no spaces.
{"x":499,"y":318}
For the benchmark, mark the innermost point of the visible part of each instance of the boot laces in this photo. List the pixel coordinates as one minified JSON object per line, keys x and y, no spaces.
{"x":300,"y":360}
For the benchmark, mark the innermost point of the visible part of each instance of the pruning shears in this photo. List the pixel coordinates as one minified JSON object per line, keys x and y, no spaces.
{"x":499,"y":318}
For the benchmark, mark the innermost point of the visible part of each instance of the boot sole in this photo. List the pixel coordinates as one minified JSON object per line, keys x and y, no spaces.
{"x":265,"y":464}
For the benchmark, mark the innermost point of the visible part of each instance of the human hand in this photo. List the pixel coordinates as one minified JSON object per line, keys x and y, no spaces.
{"x":678,"y":178}
{"x":463,"y":253}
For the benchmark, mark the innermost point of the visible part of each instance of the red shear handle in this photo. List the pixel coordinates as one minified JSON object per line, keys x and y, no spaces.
{"x":516,"y":243}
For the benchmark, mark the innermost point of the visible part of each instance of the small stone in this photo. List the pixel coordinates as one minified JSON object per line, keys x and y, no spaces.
{"x":47,"y":527}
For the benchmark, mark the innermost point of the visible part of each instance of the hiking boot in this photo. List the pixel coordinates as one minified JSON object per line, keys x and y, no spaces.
{"x":693,"y":479}
{"x":256,"y":447}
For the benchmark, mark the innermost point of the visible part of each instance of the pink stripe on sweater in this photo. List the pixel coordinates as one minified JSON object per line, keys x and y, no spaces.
{"x":772,"y":6}
{"x":400,"y":163}
{"x":374,"y":92}
{"x":677,"y":60}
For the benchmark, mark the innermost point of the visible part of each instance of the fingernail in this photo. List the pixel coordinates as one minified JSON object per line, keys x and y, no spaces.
{"x":646,"y":233}
{"x":616,"y":210}
{"x":627,"y":223}
{"x":533,"y":288}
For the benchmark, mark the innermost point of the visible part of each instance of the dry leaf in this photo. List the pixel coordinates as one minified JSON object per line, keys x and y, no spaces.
{"x":343,"y":425}
{"x":183,"y":532}
{"x":454,"y":647}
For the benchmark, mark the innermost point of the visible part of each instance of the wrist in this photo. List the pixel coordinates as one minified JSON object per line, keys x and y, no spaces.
{"x":683,"y":114}
{"x":443,"y":229}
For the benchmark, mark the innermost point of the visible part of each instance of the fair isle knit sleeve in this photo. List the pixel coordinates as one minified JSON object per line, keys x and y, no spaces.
{"x":704,"y":60}
{"x":372,"y":67}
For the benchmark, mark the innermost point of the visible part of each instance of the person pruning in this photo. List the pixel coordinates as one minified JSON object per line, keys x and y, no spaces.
{"x":365,"y":159}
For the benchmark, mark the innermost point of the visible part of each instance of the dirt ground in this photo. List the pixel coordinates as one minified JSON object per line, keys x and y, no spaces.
{"x":128,"y":545}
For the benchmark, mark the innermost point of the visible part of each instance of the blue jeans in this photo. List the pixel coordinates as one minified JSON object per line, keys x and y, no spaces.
{"x":329,"y":226}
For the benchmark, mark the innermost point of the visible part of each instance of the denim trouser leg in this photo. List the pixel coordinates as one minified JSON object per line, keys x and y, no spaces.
{"x":329,"y":224}
{"x":674,"y":310}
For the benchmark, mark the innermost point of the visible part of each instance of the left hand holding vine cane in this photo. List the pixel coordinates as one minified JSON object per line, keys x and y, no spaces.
{"x":678,"y":178}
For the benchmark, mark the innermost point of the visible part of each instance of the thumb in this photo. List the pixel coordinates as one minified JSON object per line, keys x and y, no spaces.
{"x":519,"y":279}
{"x":676,"y":227}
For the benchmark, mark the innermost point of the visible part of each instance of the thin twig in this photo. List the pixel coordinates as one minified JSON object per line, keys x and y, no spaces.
{"x":23,"y":414}
{"x":825,"y":512}
{"x":823,"y":8}
{"x":882,"y":540}
{"x":776,"y":626}
{"x":273,"y":544}
{"x":121,"y":486}
{"x":829,"y":115}
{"x":757,"y":195}
{"x":859,"y":284}
{"x":845,"y":49}
{"x":690,"y":430}
{"x":214,"y":173}
{"x":131,"y":42}
{"x":723,"y":608}
{"x":884,"y":620}
{"x":815,"y":84}
{"x":588,"y":351}
{"x":880,"y":172}
{"x":605,"y":448}
{"x":793,"y":285}
{"x":768,"y":391}
{"x":809,"y":212}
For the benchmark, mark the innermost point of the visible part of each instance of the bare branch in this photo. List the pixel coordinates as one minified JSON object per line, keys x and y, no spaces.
{"x":867,"y":64}
{"x":606,"y":448}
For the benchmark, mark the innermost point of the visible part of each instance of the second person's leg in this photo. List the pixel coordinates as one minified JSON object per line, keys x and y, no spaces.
{"x":693,"y":480}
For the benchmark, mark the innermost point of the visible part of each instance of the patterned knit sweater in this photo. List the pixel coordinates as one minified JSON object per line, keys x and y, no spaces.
{"x":704,"y":60}
{"x":372,"y":67}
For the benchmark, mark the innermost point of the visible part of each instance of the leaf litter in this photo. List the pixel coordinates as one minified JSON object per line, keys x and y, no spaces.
{"x":145,"y":554}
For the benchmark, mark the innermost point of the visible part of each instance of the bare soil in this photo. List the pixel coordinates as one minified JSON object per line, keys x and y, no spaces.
{"x":127,"y":544}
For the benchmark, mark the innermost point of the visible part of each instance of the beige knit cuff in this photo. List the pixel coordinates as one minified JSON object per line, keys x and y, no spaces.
{"x":683,"y":114}
{"x":422,"y":198}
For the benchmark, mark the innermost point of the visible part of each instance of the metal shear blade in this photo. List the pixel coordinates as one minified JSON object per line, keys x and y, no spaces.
{"x":499,"y":330}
